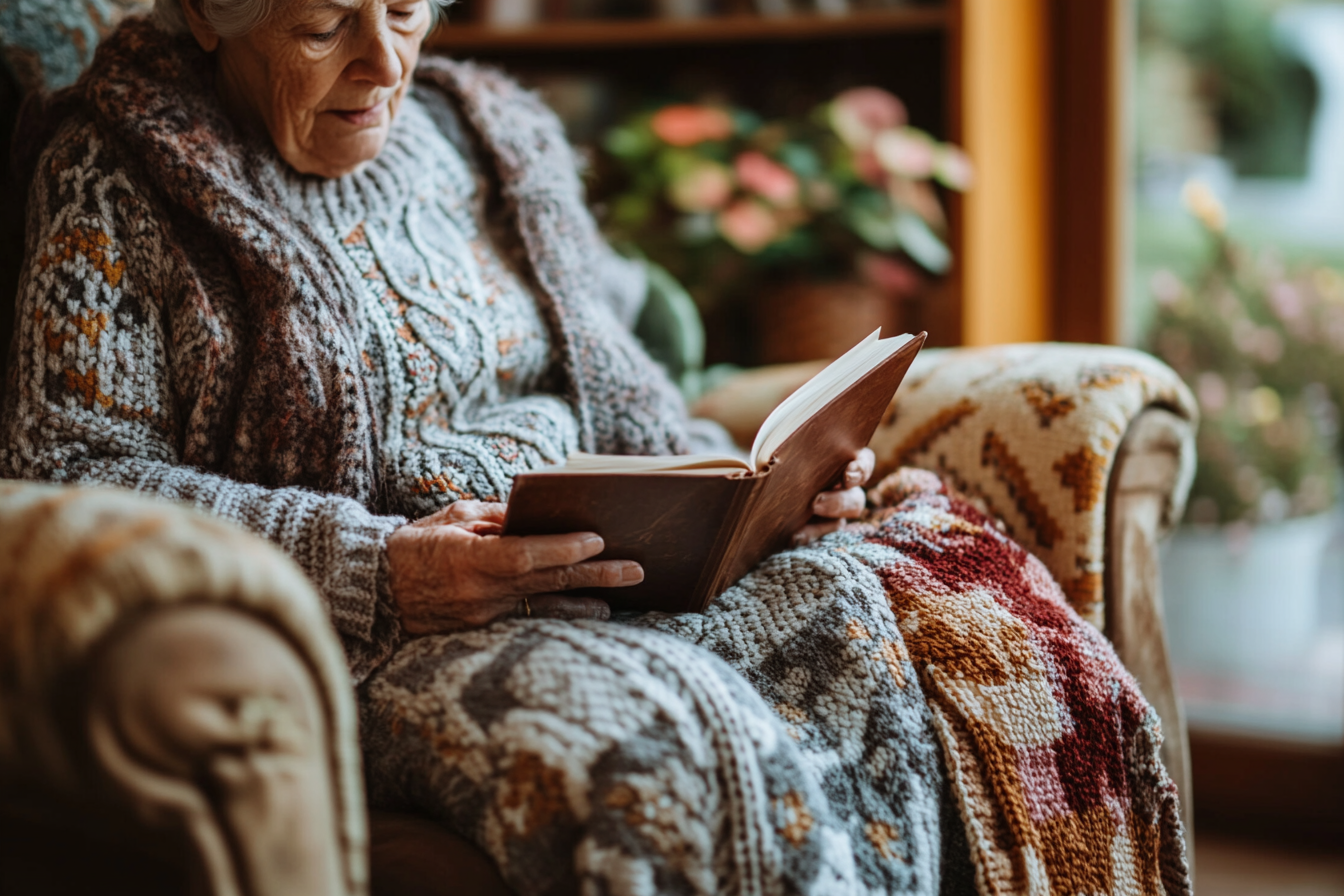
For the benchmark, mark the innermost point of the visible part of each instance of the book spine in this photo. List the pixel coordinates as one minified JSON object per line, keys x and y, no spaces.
{"x":734,"y":521}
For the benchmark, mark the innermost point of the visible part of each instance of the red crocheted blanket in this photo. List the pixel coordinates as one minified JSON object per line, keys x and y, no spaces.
{"x":1052,"y":750}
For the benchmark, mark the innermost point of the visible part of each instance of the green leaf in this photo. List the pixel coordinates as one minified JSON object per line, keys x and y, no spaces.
{"x":673,"y":162}
{"x":921,"y":243}
{"x":875,"y":226}
{"x":629,"y":143}
{"x":630,"y":210}
{"x":745,"y":122}
{"x":802,"y":158}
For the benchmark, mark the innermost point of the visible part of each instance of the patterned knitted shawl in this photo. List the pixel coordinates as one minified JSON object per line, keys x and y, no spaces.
{"x":305,"y":416}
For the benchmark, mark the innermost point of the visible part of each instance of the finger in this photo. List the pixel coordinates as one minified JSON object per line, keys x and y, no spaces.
{"x":860,"y":469}
{"x":812,"y":531}
{"x":481,"y":527}
{"x":469,"y":511}
{"x":560,"y":606}
{"x":464,"y":512}
{"x":514,"y":555}
{"x":868,"y":463}
{"x":849,"y":502}
{"x":594,"y":574}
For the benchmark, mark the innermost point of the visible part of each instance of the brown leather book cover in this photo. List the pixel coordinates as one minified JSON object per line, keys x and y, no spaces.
{"x":696,"y":535}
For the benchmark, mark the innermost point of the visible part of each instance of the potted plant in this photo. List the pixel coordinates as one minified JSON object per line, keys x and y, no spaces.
{"x":831,"y":218}
{"x":1261,"y":343}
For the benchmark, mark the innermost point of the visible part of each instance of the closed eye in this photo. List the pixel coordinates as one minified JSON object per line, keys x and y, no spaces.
{"x":403,"y":15}
{"x":325,"y":36}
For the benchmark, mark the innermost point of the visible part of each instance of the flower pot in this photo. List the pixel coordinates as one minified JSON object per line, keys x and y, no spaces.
{"x":805,"y":320}
{"x":1238,"y":599}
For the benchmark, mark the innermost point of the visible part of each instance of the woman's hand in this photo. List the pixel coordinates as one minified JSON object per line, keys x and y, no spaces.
{"x":845,"y":501}
{"x":453,"y":570}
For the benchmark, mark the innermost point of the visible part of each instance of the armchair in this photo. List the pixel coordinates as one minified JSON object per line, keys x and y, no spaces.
{"x":1084,"y":452}
{"x":169,"y":686}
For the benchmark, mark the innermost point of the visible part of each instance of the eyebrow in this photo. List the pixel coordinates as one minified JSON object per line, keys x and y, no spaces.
{"x":324,"y":5}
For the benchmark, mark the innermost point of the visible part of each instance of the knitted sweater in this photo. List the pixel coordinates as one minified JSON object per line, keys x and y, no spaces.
{"x":316,"y":359}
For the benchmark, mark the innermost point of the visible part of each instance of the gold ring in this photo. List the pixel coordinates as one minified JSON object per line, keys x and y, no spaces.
{"x":528,"y":607}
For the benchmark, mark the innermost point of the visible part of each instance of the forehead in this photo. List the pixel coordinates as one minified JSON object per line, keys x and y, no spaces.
{"x":309,"y":7}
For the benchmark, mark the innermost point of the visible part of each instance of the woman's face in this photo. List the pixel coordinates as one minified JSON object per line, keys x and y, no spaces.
{"x":325,"y":77}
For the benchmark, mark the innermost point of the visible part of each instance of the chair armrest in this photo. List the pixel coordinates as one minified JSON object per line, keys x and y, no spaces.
{"x":1033,"y":432}
{"x":1151,"y":464}
{"x":187,"y":668}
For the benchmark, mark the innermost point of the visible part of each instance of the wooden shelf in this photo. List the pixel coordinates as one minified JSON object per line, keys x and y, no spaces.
{"x":663,"y":32}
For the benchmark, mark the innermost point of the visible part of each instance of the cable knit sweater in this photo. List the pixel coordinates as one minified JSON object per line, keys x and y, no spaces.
{"x":317,"y":359}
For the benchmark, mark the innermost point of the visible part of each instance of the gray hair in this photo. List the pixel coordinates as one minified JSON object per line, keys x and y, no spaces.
{"x":234,"y":18}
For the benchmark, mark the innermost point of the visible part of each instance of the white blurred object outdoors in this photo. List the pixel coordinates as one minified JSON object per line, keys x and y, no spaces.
{"x":1247,"y":596}
{"x":1255,"y":618}
{"x":1307,"y":210}
{"x":1310,"y":210}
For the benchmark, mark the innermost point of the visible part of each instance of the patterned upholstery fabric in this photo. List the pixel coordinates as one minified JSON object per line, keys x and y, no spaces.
{"x":1031,"y":432}
{"x":47,"y":43}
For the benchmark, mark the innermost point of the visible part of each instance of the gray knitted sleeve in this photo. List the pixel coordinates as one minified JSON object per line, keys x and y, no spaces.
{"x":91,"y":394}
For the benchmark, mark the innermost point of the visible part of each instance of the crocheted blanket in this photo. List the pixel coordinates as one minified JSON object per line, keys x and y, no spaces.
{"x":794,"y":751}
{"x":1053,"y":752}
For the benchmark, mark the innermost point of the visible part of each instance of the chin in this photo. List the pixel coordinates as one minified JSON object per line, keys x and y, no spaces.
{"x":344,"y":156}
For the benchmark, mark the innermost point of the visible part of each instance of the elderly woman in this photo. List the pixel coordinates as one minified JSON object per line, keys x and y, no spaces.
{"x":280,"y":269}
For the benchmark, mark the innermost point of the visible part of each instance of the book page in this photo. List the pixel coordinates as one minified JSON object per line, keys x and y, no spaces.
{"x":685,"y":464}
{"x":817,"y":392}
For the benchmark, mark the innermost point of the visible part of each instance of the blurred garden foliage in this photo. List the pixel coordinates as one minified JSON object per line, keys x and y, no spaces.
{"x":1261,"y":342}
{"x":1240,"y":93}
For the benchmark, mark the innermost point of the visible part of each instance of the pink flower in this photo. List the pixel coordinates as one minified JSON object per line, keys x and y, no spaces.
{"x":1212,"y":391}
{"x":953,"y":168}
{"x":857,"y":115}
{"x":906,"y":152}
{"x":869,"y":168}
{"x":920,"y":198}
{"x":688,"y":125}
{"x":888,"y":274}
{"x":767,"y":178}
{"x":1287,"y":302}
{"x":1166,"y":287}
{"x":703,"y":188}
{"x":748,"y":226}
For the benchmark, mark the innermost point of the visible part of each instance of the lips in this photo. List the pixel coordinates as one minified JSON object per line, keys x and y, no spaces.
{"x":363,"y":118}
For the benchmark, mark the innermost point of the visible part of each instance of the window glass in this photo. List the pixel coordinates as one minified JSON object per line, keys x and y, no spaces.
{"x":1238,"y":283}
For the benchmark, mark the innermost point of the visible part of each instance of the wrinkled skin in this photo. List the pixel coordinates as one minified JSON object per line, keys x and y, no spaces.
{"x":324,"y":78}
{"x":453,"y":570}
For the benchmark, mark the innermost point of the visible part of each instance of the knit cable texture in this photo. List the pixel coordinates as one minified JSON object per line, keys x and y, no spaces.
{"x":197,"y":321}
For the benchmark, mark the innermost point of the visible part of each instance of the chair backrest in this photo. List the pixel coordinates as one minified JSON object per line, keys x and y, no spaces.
{"x":46,"y":44}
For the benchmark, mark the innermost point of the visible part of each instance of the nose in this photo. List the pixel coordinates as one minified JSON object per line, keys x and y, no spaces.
{"x":378,"y":60}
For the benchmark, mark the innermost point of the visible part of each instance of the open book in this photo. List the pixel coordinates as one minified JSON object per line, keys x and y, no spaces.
{"x":698,"y":522}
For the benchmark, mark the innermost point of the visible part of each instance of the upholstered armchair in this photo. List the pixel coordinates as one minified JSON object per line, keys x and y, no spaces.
{"x":174,"y":709}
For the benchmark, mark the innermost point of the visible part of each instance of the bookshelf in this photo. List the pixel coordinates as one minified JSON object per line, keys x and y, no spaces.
{"x":473,"y":38}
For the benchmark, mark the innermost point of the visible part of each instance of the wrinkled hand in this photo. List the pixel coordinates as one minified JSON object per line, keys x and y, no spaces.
{"x":843,"y":502}
{"x":453,"y":570}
